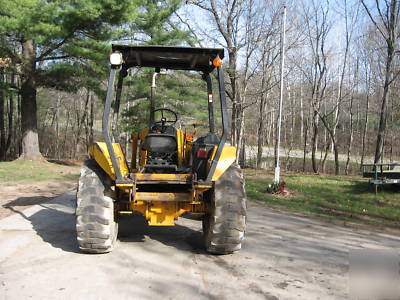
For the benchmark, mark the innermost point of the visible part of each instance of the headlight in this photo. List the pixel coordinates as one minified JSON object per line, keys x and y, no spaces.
{"x":116,"y":58}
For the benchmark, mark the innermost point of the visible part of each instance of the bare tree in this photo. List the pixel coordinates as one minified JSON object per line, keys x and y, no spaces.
{"x":227,"y":16}
{"x":354,"y":91}
{"x":366,"y":65}
{"x":387,"y":24}
{"x":318,"y":27}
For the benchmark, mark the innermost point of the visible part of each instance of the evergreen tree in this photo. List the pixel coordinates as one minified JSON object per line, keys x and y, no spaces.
{"x":183,"y":92}
{"x":36,"y":34}
{"x":154,"y":25}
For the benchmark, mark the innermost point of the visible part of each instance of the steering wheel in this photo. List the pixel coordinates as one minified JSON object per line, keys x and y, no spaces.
{"x":164,"y":120}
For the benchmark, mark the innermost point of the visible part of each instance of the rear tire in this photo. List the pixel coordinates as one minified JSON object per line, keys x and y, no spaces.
{"x":225,"y":224}
{"x":96,"y":227}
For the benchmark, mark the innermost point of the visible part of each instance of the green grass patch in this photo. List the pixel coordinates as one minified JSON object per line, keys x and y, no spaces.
{"x":295,"y":164}
{"x":348,"y":198}
{"x":24,"y":170}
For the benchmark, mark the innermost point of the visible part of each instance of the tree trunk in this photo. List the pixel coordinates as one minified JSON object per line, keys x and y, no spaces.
{"x":365,"y":129}
{"x":334,"y":144}
{"x":261,"y":133}
{"x":57,"y":151}
{"x":314,"y":143}
{"x":349,"y":146}
{"x":234,"y":94}
{"x":271,"y":127}
{"x":328,"y":146}
{"x":10,"y":116}
{"x":81,"y":123}
{"x":383,"y":112}
{"x":301,"y":110}
{"x":305,"y":145}
{"x":19,"y":140}
{"x":91,"y":121}
{"x":239,"y":144}
{"x":30,"y":139}
{"x":2,"y":112}
{"x":392,"y":131}
{"x":291,"y":98}
{"x":65,"y":137}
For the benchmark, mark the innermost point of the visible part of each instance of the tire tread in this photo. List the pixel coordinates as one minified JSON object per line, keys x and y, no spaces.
{"x":95,"y":225}
{"x":224,"y":227}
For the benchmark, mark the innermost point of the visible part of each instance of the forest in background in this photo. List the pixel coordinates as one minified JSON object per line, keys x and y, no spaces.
{"x":341,"y":83}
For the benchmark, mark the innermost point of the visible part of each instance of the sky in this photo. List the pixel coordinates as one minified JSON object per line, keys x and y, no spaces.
{"x":202,"y":21}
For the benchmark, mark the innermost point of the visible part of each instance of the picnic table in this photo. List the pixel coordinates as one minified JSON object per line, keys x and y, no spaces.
{"x":382,"y":173}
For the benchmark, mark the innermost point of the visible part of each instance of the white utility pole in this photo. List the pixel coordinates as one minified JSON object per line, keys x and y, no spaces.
{"x":278,"y":127}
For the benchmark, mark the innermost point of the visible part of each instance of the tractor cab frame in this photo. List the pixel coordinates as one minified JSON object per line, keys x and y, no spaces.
{"x":203,"y":60}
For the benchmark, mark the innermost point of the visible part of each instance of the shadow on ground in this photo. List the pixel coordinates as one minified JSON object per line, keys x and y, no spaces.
{"x":364,"y":187}
{"x":134,"y":228}
{"x":55,"y":224}
{"x":27,"y":201}
{"x":65,"y":162}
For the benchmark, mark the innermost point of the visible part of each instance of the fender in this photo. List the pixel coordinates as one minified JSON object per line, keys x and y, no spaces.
{"x":98,"y":151}
{"x":227,"y":158}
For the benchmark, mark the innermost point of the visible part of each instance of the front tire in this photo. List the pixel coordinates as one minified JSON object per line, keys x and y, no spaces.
{"x":96,"y":227}
{"x":225,"y":223}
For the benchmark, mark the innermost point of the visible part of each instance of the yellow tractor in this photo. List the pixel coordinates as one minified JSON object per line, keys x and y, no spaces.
{"x":171,"y":173}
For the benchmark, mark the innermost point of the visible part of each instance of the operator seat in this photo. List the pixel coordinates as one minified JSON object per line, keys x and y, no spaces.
{"x":161,"y":146}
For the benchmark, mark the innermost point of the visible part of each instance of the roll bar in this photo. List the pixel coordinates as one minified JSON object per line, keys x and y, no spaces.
{"x":224,"y":117}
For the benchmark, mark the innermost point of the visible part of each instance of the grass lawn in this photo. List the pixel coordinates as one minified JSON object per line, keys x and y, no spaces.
{"x":295,"y":164}
{"x":24,"y":170}
{"x":347,"y":198}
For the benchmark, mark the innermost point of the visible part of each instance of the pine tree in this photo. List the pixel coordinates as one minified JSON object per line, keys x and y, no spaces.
{"x":36,"y":34}
{"x":183,"y":92}
{"x":154,"y":25}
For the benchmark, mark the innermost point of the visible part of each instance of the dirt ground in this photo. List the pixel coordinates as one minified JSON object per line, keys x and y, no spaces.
{"x":19,"y":197}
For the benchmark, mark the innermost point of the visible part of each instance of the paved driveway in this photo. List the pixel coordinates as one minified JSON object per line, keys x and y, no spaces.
{"x":283,"y":257}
